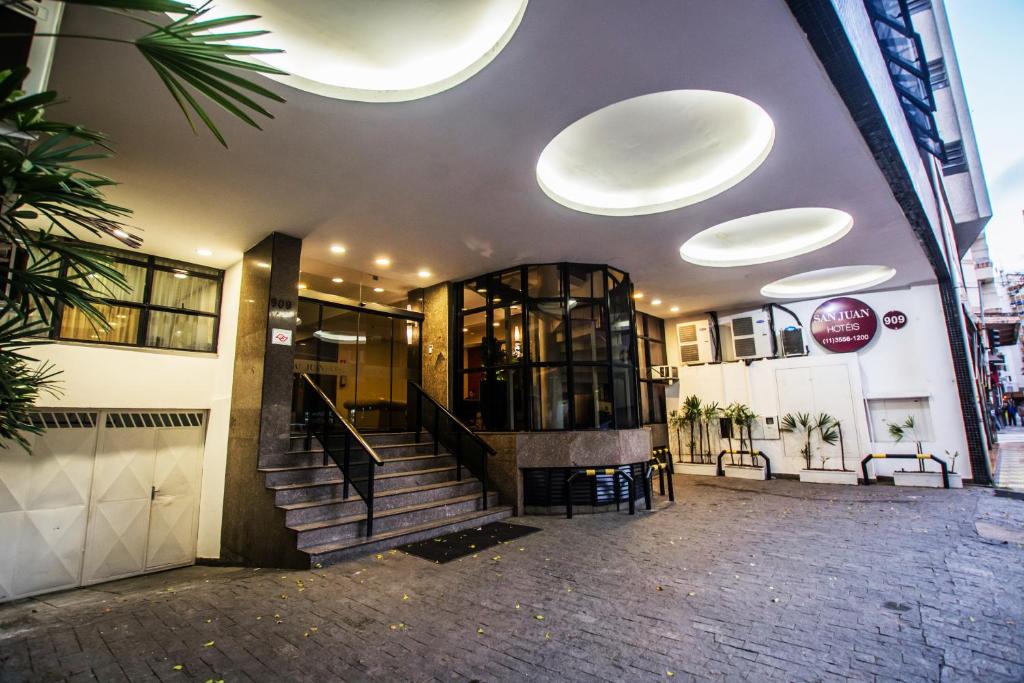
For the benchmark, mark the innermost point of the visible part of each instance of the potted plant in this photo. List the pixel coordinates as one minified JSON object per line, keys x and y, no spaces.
{"x":922,"y":476}
{"x":829,"y":432}
{"x":742,"y":417}
{"x":691,"y":417}
{"x":710,"y":417}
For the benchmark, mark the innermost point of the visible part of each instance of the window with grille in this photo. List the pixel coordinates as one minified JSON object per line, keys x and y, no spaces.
{"x":955,"y":161}
{"x":937,"y":73}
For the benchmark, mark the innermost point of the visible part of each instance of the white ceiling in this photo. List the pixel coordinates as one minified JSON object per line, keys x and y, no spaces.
{"x":448,"y":182}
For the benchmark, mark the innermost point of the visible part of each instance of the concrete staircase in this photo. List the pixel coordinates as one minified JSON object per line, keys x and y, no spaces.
{"x":416,"y":497}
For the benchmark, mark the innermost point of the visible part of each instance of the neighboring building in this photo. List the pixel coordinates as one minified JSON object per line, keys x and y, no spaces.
{"x":467,"y":283}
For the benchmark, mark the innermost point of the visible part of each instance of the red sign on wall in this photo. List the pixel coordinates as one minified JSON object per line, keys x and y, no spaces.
{"x":844,"y":324}
{"x":895,"y":320}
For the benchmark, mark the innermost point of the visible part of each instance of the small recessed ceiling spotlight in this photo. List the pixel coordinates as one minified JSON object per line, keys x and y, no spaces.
{"x":674,"y":309}
{"x":655,"y":302}
{"x":424,"y":273}
{"x":638,"y":295}
{"x":337,"y":280}
{"x":180,"y":274}
{"x":378,"y":289}
{"x":302,"y":285}
{"x":465,"y":329}
{"x":382,"y":261}
{"x":495,"y":324}
{"x":203,"y":251}
{"x":338,"y":249}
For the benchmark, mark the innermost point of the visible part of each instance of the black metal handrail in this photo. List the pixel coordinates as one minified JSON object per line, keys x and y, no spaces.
{"x":469,"y":449}
{"x":904,"y":456}
{"x":343,"y":443}
{"x":754,"y":455}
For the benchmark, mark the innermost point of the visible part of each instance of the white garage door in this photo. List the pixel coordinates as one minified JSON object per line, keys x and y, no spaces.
{"x":102,"y":496}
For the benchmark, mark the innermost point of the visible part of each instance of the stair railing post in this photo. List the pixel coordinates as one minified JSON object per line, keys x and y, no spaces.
{"x":483,"y":478}
{"x":458,"y":456}
{"x":419,"y":411}
{"x":344,"y":467}
{"x":437,"y":416}
{"x":323,"y":434}
{"x":369,"y":501}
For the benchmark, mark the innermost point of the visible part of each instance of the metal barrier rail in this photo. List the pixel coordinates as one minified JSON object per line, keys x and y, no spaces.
{"x":593,"y":472}
{"x":904,"y":456}
{"x":720,"y":472}
{"x":662,"y":467}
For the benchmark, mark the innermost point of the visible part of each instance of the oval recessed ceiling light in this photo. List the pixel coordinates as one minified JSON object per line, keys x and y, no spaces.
{"x":766,"y":237}
{"x":391,"y":51}
{"x":424,"y":273}
{"x":337,"y":280}
{"x":204,"y":251}
{"x":338,"y":249}
{"x":382,"y":261}
{"x":655,"y":152}
{"x":828,"y":281}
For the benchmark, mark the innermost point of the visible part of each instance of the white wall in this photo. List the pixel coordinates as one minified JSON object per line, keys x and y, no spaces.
{"x":911,"y":362}
{"x":96,"y":376}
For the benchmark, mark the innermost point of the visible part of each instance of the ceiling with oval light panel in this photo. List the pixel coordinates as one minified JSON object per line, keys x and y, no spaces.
{"x":655,"y":152}
{"x":828,"y":281}
{"x":380,"y":51}
{"x":766,"y":237}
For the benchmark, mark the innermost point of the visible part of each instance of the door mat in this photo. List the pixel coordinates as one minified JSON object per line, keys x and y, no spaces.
{"x":466,"y":542}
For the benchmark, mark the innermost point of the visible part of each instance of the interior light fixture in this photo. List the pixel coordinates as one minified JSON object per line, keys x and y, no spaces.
{"x":766,"y":237}
{"x":262,"y":264}
{"x":378,"y":289}
{"x":382,"y":261}
{"x":655,"y":152}
{"x":338,"y":249}
{"x":337,"y":280}
{"x":302,"y":285}
{"x":638,"y":295}
{"x":655,"y":302}
{"x":424,"y":273}
{"x":674,"y":309}
{"x":203,"y":251}
{"x":828,"y":281}
{"x":391,"y":51}
{"x":181,"y":275}
{"x":338,"y":338}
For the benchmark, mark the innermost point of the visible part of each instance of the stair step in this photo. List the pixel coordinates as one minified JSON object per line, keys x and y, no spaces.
{"x":352,"y":526}
{"x":300,"y":474}
{"x":396,"y":450}
{"x":338,"y":551}
{"x":383,"y":481}
{"x":407,"y":463}
{"x":311,"y":511}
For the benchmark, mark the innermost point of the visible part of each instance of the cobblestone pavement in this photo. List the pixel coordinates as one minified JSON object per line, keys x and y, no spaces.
{"x":737,"y":580}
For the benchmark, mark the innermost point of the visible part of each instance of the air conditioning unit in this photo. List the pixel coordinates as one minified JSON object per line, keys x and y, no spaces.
{"x":694,"y":342}
{"x":751,"y":336}
{"x":791,"y":341}
{"x":31,"y":17}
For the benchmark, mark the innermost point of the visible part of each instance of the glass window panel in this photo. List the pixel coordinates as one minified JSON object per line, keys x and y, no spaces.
{"x":641,"y":357}
{"x":473,"y":335}
{"x":547,"y":332}
{"x":656,"y":350}
{"x":621,"y":316}
{"x":180,"y":331}
{"x":135,"y":276}
{"x":550,"y":398}
{"x":501,"y":400}
{"x":373,"y":405}
{"x":469,"y":406}
{"x":589,"y":338}
{"x":474,"y":293}
{"x":655,"y":328}
{"x":404,"y":367}
{"x":544,"y":281}
{"x":507,"y":333}
{"x":181,"y":290}
{"x":645,"y":402}
{"x":586,"y":281}
{"x":624,"y":381}
{"x":657,"y":403}
{"x":124,"y":325}
{"x":592,"y":398}
{"x":507,"y":286}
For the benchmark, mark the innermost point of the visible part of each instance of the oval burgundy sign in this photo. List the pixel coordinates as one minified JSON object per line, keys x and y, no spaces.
{"x":844,"y":324}
{"x":895,"y":320}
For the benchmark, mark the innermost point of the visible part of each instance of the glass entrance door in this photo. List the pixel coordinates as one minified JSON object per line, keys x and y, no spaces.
{"x":362,"y":360}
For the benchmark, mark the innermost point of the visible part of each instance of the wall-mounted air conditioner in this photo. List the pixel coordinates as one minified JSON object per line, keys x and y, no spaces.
{"x":791,"y":341}
{"x":751,"y":336}
{"x":694,"y":342}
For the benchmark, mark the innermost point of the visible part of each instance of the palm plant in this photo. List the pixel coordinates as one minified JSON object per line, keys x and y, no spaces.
{"x":800,"y":423}
{"x":49,"y":202}
{"x":691,"y":414}
{"x":676,"y":421}
{"x":828,"y":432}
{"x":907,"y":430}
{"x":709,"y":416}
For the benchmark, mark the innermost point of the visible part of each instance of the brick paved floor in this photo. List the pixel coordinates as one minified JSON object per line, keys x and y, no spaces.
{"x":737,"y":580}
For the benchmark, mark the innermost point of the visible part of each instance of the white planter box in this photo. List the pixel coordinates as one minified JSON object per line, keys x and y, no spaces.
{"x":829,"y":477}
{"x":695,"y":468}
{"x":745,"y":472}
{"x":926,"y":479}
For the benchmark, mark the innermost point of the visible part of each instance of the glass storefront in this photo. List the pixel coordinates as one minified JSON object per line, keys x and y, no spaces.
{"x":546,"y":347}
{"x":362,"y":360}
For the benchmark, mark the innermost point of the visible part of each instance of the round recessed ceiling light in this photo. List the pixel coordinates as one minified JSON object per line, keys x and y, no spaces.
{"x":378,"y":289}
{"x":338,"y":249}
{"x":302,"y":285}
{"x":203,"y":251}
{"x":828,"y":281}
{"x":674,"y":309}
{"x":765,"y":237}
{"x":383,"y":261}
{"x":655,"y":152}
{"x":655,"y":302}
{"x":337,"y":280}
{"x":391,"y":51}
{"x":424,"y":273}
{"x":638,"y":295}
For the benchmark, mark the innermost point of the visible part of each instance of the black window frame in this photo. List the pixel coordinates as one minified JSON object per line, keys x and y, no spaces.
{"x":492,"y":286}
{"x":646,"y":323}
{"x":152,"y":264}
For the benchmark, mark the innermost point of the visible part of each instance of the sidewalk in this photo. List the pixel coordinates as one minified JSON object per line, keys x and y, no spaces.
{"x":1009,"y":467}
